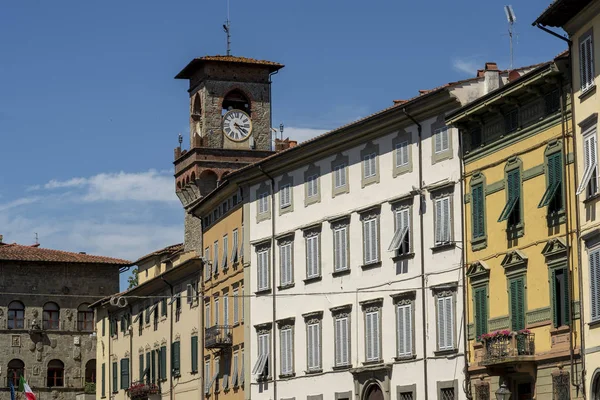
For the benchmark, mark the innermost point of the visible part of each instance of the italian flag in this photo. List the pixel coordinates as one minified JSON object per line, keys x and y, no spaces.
{"x":24,"y":387}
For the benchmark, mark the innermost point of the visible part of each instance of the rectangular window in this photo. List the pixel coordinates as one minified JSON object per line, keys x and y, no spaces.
{"x":103,"y":381}
{"x":443,"y":221}
{"x":477,"y":211}
{"x":194,"y":354}
{"x":511,"y":121}
{"x":285,"y":265}
{"x":369,"y":165}
{"x":234,"y":373}
{"x":552,"y":197}
{"x":263,"y":203}
{"x":561,"y":299}
{"x":287,"y":352}
{"x":207,"y":268}
{"x":480,"y":310}
{"x":148,"y":369}
{"x":589,"y":181}
{"x":207,"y":313}
{"x":586,"y":63}
{"x":216,"y":311}
{"x":206,"y":376}
{"x":141,"y":367}
{"x":163,"y":362}
{"x":313,"y":263}
{"x":512,"y":209}
{"x":445,"y":322}
{"x":372,"y":336}
{"x":442,"y":139}
{"x":595,"y":285}
{"x":263,"y":270}
{"x":342,"y":341}
{"x":339,"y":175}
{"x":236,"y":307}
{"x":312,"y":185}
{"x":225,"y":251}
{"x":313,"y":345}
{"x":226,"y":309}
{"x":447,"y":394}
{"x":115,"y":377}
{"x":404,"y":330}
{"x":234,"y":247}
{"x":401,"y":240}
{"x":285,"y":196}
{"x":175,"y":365}
{"x":370,"y":240}
{"x":216,"y":257}
{"x":517,"y":303}
{"x":340,"y":249}
{"x":402,"y":154}
{"x":262,"y":367}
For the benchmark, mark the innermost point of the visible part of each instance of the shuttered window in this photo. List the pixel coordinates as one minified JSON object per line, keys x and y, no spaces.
{"x":372,"y":336}
{"x":595,"y":285}
{"x":561,"y":299}
{"x":236,"y":306}
{"x":225,"y":251}
{"x":216,"y":257}
{"x":370,"y":165}
{"x":175,"y":359}
{"x":287,"y":352}
{"x":163,"y":362}
{"x":234,"y":247}
{"x":552,"y":197}
{"x":342,"y":341}
{"x":285,"y":196}
{"x":216,"y":314}
{"x":370,"y":240}
{"x":589,"y":180}
{"x":402,"y":154}
{"x":103,"y":380}
{"x":207,"y":267}
{"x":404,"y":330}
{"x":445,"y":322}
{"x":517,"y":303}
{"x":586,"y":63}
{"x":115,"y":377}
{"x":234,"y":373}
{"x":339,"y":175}
{"x":141,"y":362}
{"x":441,"y":139}
{"x":285,"y":264}
{"x":263,"y":203}
{"x":480,"y":310}
{"x":264,"y":352}
{"x":149,"y":371}
{"x":207,"y":377}
{"x":313,"y":268}
{"x":314,"y":346}
{"x":512,"y":209}
{"x":340,"y":249}
{"x":443,"y":221}
{"x":477,"y":211}
{"x":312,"y":185}
{"x":226,"y":310}
{"x":263,"y":270}
{"x":401,"y":239}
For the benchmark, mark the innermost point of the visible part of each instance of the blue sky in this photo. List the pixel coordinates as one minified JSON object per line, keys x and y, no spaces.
{"x":90,"y":112}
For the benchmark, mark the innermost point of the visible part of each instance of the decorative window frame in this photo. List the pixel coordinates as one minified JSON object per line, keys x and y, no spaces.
{"x":401,"y":389}
{"x":403,"y":204}
{"x":365,"y":215}
{"x":310,"y":318}
{"x":259,"y":248}
{"x":312,"y":231}
{"x":286,"y":179}
{"x":283,"y":241}
{"x":478,"y":274}
{"x":401,"y":299}
{"x":447,"y":385}
{"x":335,"y":224}
{"x":446,"y":290}
{"x":312,"y":170}
{"x":367,"y":307}
{"x":262,"y":329}
{"x":288,"y":323}
{"x":337,"y":161}
{"x":447,"y":154}
{"x":263,"y":188}
{"x":401,"y":137}
{"x":344,"y":311}
{"x":518,"y":230}
{"x":559,"y":217}
{"x":588,"y":89}
{"x":555,"y":254}
{"x":436,"y":193}
{"x":515,"y":267}
{"x":479,"y":243}
{"x":370,"y":148}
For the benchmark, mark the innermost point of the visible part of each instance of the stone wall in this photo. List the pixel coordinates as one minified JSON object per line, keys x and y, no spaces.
{"x":192,"y":240}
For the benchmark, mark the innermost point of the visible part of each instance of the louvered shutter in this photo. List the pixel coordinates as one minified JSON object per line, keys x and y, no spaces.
{"x":477,"y":212}
{"x":438,"y":222}
{"x":311,"y":343}
{"x":441,"y":324}
{"x":555,"y":300}
{"x":163,"y":360}
{"x":517,"y":304}
{"x":103,"y":380}
{"x":446,"y":217}
{"x":374,"y":241}
{"x":338,"y":341}
{"x":369,"y":336}
{"x":449,"y":311}
{"x":375,"y":330}
{"x":438,"y":141}
{"x":401,"y":329}
{"x":226,"y":310}
{"x":567,"y":303}
{"x":115,"y":378}
{"x":594,"y":260}
{"x":481,"y":311}
{"x":343,"y":175}
{"x":373,"y":162}
{"x":216,"y":311}
{"x":445,"y":139}
{"x":366,"y":241}
{"x":194,"y":354}
{"x":583,"y":64}
{"x":141,"y":362}
{"x":366,"y":167}
{"x":345,"y":339}
{"x":175,"y":367}
{"x":125,"y":373}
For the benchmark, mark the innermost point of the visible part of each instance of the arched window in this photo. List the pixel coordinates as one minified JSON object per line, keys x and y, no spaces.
{"x":236,"y":100}
{"x":596,"y":385}
{"x":15,"y":370}
{"x":16,"y":315}
{"x":197,"y":106}
{"x":85,"y":318}
{"x":56,"y":374}
{"x":90,"y":371}
{"x":51,"y":316}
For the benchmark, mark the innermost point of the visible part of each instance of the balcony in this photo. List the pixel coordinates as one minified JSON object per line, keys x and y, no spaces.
{"x":218,"y":336}
{"x":508,"y":347}
{"x":142,"y":390}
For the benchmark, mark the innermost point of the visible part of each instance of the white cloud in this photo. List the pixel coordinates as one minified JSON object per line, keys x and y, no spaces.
{"x":19,"y":202}
{"x":302,"y":134}
{"x":467,"y":66}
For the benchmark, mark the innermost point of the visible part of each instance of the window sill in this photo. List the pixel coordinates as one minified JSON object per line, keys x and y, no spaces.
{"x":479,"y":243}
{"x":342,"y":367}
{"x":515,"y":231}
{"x":592,"y":198}
{"x":284,"y":376}
{"x":341,"y":272}
{"x":443,"y":247}
{"x":313,"y":371}
{"x":313,"y":279}
{"x":405,"y":358}
{"x":587,"y":92}
{"x":371,"y":265}
{"x":404,"y":256}
{"x":286,"y":286}
{"x":594,"y":324}
{"x":445,"y":352}
{"x":263,"y":291}
{"x":374,"y":362}
{"x":556,"y":218}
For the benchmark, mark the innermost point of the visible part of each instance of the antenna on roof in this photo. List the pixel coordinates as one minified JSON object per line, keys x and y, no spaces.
{"x":511,"y":18}
{"x":36,"y":238}
{"x":226,"y":29}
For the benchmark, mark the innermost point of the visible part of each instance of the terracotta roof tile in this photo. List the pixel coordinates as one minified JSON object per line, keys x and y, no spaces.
{"x":17,"y":252}
{"x":193,"y":65}
{"x":169,"y":250}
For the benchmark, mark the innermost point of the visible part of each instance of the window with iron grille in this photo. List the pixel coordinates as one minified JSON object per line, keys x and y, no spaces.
{"x":405,"y":396}
{"x":447,"y":394}
{"x":482,"y":391}
{"x":561,"y":386}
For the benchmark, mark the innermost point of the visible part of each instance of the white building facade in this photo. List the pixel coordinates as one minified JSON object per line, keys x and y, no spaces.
{"x":356,"y":282}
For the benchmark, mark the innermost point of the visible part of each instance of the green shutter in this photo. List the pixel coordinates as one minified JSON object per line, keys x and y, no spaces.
{"x":513,"y":185}
{"x":555,"y":299}
{"x":175,"y":358}
{"x":163,"y":307}
{"x":103,"y":326}
{"x":477,"y":211}
{"x":517,"y":304}
{"x":125,"y":373}
{"x":153,"y":363}
{"x":554,"y":172}
{"x":194,"y":353}
{"x":481,"y":317}
{"x":141,"y":367}
{"x":567,"y":310}
{"x":115,"y":378}
{"x":148,"y":367}
{"x":163,"y":362}
{"x":103,"y":381}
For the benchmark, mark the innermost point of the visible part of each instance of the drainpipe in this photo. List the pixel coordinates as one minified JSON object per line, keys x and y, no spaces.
{"x":130,"y":329}
{"x":422,"y":248}
{"x":202,"y":329}
{"x":109,"y":366}
{"x":577,"y":219}
{"x":170,"y":336}
{"x":273,"y":286}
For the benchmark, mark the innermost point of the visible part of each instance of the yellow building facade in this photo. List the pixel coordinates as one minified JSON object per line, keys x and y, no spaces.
{"x":149,"y":337}
{"x":521,"y":295}
{"x":223,"y":289}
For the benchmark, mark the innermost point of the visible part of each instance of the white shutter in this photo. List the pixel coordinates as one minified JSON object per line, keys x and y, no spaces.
{"x":366,"y":167}
{"x":225,"y":250}
{"x":312,"y":256}
{"x":438,"y":140}
{"x":345,"y":338}
{"x":401,"y":154}
{"x":445,"y":139}
{"x":217,"y":311}
{"x":310,"y":350}
{"x":375,"y":240}
{"x":441,"y":324}
{"x":438,"y":221}
{"x":595,"y":285}
{"x":236,"y":311}
{"x":226,"y":310}
{"x":366,"y":242}
{"x":317,"y":337}
{"x":338,"y":341}
{"x":373,"y":162}
{"x":189,"y":294}
{"x":372,"y":335}
{"x":404,"y":329}
{"x":263,"y":270}
{"x":207,"y":314}
{"x":285,"y":260}
{"x":449,"y":311}
{"x":376,"y":344}
{"x":286,"y":346}
{"x":447,"y":221}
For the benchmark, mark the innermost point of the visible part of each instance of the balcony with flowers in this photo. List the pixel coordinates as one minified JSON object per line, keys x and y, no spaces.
{"x":505,"y":346}
{"x":142,"y":390}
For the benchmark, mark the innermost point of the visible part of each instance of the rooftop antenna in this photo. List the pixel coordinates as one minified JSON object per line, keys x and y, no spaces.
{"x":226,"y":29}
{"x":36,"y":238}
{"x":511,"y":18}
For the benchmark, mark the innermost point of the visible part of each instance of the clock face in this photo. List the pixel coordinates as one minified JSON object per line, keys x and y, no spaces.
{"x":237,"y":125}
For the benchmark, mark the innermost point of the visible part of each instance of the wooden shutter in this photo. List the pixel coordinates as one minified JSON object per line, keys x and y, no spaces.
{"x":175,"y":367}
{"x":438,"y":140}
{"x":366,"y":242}
{"x":517,"y":304}
{"x":141,"y":362}
{"x":194,"y":353}
{"x":441,"y":324}
{"x":103,"y":380}
{"x":481,"y":318}
{"x":115,"y":378}
{"x":404,"y":329}
{"x":595,"y":285}
{"x":345,"y":340}
{"x":477,"y":211}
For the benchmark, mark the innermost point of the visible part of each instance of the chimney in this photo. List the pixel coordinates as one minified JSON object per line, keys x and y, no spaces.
{"x":1,"y":238}
{"x":491,"y":76}
{"x":284,"y":144}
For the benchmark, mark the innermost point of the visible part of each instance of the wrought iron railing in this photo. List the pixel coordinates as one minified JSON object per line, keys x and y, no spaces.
{"x":217,"y":336}
{"x":506,"y":348}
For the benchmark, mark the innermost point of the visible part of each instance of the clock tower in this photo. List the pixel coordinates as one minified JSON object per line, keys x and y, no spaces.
{"x":230,"y":125}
